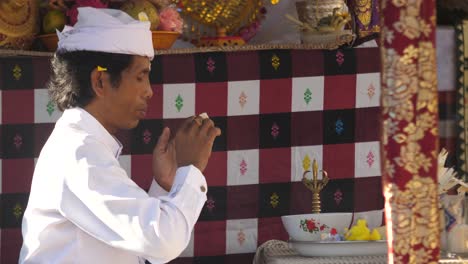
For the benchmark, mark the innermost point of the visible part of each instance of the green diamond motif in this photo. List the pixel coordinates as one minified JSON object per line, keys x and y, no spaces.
{"x":50,"y":108}
{"x":179,"y":102}
{"x":307,"y":96}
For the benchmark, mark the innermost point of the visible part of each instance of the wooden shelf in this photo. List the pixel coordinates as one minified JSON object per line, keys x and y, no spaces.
{"x":328,"y":46}
{"x":29,"y":53}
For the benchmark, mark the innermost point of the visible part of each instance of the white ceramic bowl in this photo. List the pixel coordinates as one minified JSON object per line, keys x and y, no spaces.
{"x":310,"y":227}
{"x":340,"y":248}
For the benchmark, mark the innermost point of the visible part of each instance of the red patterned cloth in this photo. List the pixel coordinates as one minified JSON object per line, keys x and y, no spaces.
{"x":278,"y":110}
{"x":410,"y":130}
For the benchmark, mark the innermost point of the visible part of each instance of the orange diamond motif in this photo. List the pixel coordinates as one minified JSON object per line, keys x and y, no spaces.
{"x":371,"y":91}
{"x":241,"y":237}
{"x":242,"y":99}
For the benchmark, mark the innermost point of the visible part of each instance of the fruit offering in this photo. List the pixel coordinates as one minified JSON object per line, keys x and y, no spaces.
{"x":142,"y":10}
{"x":54,"y":19}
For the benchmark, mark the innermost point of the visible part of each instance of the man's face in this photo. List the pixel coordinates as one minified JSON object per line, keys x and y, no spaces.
{"x":126,"y":104}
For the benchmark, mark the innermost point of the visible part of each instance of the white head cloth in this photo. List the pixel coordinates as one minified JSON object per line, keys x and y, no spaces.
{"x":107,"y":30}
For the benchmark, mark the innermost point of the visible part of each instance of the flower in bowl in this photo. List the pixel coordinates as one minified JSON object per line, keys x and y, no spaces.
{"x":316,"y":227}
{"x":309,"y":225}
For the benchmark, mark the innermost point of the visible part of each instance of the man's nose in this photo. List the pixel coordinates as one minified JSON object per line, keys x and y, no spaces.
{"x":149,"y":92}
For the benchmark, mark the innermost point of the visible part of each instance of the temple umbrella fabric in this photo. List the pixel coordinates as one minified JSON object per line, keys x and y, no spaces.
{"x":409,"y":142}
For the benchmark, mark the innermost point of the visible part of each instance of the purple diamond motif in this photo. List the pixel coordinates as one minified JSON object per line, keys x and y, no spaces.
{"x":210,"y":65}
{"x":338,"y":196}
{"x":210,"y":204}
{"x":243,"y":167}
{"x":18,"y":141}
{"x":275,"y":130}
{"x":146,"y":136}
{"x":339,"y":58}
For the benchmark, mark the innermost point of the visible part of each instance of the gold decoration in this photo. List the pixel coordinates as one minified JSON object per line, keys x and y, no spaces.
{"x":101,"y":69}
{"x":220,"y":42}
{"x":462,"y":103}
{"x":275,"y":62}
{"x":210,"y":18}
{"x":416,"y":219}
{"x":410,"y":53}
{"x":18,"y":23}
{"x":17,"y":72}
{"x":17,"y":211}
{"x":315,"y":186}
{"x":248,"y":47}
{"x":363,"y":10}
{"x":409,"y":107}
{"x":401,"y":86}
{"x":274,"y":200}
{"x":411,"y":23}
{"x":306,"y":163}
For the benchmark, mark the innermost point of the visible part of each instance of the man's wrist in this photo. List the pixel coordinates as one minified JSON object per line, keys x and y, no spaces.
{"x":165,"y":185}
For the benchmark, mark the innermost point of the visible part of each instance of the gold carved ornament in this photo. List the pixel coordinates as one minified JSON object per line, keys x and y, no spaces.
{"x":363,"y":10}
{"x":210,"y":21}
{"x":18,"y":23}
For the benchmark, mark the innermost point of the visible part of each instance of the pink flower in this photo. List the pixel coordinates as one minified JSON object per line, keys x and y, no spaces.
{"x":170,"y":20}
{"x":72,"y":13}
{"x":248,"y":32}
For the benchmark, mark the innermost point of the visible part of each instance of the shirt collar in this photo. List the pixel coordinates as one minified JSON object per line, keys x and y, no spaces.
{"x":90,"y":124}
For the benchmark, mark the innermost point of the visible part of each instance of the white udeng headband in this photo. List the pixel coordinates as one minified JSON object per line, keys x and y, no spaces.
{"x":107,"y":30}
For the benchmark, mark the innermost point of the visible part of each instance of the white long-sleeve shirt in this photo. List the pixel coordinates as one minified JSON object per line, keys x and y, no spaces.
{"x":84,"y":208}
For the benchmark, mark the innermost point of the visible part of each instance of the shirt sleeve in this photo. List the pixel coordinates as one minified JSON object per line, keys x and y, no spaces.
{"x":156,"y":190}
{"x":103,"y":201}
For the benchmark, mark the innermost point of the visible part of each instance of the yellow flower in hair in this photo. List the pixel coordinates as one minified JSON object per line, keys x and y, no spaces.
{"x":142,"y":16}
{"x":101,"y":69}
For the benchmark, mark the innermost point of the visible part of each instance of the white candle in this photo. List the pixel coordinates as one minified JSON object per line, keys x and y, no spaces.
{"x":458,"y":239}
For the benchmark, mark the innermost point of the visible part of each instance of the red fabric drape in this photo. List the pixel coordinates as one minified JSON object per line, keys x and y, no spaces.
{"x":410,"y":130}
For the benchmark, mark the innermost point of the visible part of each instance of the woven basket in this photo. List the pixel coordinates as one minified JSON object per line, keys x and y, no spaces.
{"x":164,"y":39}
{"x":49,"y":41}
{"x":18,"y":23}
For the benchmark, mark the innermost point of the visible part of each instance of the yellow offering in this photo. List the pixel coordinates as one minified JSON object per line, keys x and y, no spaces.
{"x":361,"y":232}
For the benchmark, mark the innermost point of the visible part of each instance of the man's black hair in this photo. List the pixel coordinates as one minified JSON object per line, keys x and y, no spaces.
{"x":70,"y":79}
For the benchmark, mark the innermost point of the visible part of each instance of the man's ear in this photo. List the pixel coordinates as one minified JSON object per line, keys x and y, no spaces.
{"x":97,"y":82}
